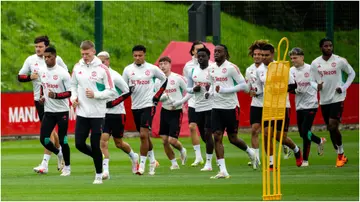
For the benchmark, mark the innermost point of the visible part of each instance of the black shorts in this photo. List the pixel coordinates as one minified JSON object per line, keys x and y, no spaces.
{"x":170,"y":122}
{"x":40,"y":109}
{"x":143,"y":117}
{"x":279,"y":122}
{"x":255,"y":115}
{"x":84,"y":125}
{"x":225,"y":118}
{"x":203,"y":119}
{"x":332,"y":111}
{"x":114,"y":125}
{"x":51,"y":119}
{"x":191,"y":115}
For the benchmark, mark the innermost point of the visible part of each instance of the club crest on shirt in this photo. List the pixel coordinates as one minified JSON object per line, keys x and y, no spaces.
{"x":333,"y":64}
{"x":172,"y":82}
{"x":306,"y":75}
{"x":147,"y":72}
{"x":224,"y":70}
{"x":93,"y":74}
{"x":55,"y":77}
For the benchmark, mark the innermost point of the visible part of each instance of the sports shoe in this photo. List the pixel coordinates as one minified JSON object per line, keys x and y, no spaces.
{"x":271,"y":167}
{"x":152,"y":168}
{"x":135,"y":163}
{"x":174,"y":167}
{"x":206,"y":168}
{"x":287,"y":152}
{"x":254,"y":160}
{"x":197,"y":162}
{"x":61,"y":163}
{"x":183,"y":157}
{"x":106,"y":175}
{"x":97,"y":180}
{"x":41,"y":169}
{"x":341,"y":160}
{"x":299,"y":158}
{"x":320,"y":147}
{"x":140,"y":171}
{"x":305,"y":164}
{"x":221,"y":175}
{"x":65,"y":172}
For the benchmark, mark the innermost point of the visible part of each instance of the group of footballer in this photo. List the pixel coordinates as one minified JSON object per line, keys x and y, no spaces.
{"x":97,"y":93}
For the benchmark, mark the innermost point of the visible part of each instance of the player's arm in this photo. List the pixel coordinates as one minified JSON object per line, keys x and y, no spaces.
{"x":126,"y":92}
{"x":247,"y":80}
{"x":346,"y":67}
{"x":315,"y":78}
{"x":23,"y":75}
{"x":74,"y":86}
{"x":67,"y":86}
{"x":241,"y":85}
{"x":292,"y":85}
{"x":109,"y":91}
{"x":186,"y":96}
{"x":163,"y":82}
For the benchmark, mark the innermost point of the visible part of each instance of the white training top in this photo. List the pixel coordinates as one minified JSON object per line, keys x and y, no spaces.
{"x":186,"y":72}
{"x":175,"y":91}
{"x":96,"y":77}
{"x":200,"y":77}
{"x":120,"y":87}
{"x":57,"y":80}
{"x":143,"y":78}
{"x":306,"y":94}
{"x":261,"y":74}
{"x":251,"y":79}
{"x":330,"y":72}
{"x":228,"y":77}
{"x":33,"y":64}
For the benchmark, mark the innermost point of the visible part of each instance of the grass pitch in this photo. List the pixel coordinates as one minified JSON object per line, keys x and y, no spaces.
{"x":320,"y":181}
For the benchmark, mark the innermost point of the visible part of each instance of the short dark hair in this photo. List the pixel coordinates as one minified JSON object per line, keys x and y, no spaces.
{"x":165,"y":59}
{"x":207,"y":51}
{"x":226,"y":51}
{"x":139,"y":48}
{"x":197,"y":42}
{"x":268,"y":47}
{"x":322,"y":41}
{"x":258,"y":44}
{"x":87,"y":44}
{"x":44,"y":39}
{"x":51,"y":50}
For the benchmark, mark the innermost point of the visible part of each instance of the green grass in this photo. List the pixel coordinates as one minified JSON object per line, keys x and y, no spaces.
{"x":320,"y":181}
{"x":153,"y":24}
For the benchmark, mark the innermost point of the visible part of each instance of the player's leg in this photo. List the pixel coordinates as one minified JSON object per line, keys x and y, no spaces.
{"x":194,"y":137}
{"x":269,"y":134}
{"x":325,"y":111}
{"x":82,"y":129}
{"x":231,"y":119}
{"x":148,"y":117}
{"x":303,"y":130}
{"x":334,"y":121}
{"x":95,"y":124}
{"x":287,"y":140}
{"x":165,"y":117}
{"x":201,"y":123}
{"x":104,"y":146}
{"x":255,"y":121}
{"x":174,"y":131}
{"x":320,"y":141}
{"x":47,"y":125}
{"x":47,"y":154}
{"x":63,"y":122}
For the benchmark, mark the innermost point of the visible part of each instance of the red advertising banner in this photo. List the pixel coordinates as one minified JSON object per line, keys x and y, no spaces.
{"x":19,"y":116}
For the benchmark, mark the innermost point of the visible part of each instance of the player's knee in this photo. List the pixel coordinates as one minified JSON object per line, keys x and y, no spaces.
{"x":165,"y":141}
{"x":172,"y":141}
{"x":80,"y":146}
{"x":217,"y":136}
